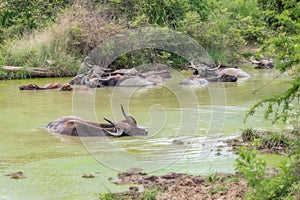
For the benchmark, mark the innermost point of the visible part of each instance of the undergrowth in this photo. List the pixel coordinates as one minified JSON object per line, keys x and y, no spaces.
{"x":283,"y":185}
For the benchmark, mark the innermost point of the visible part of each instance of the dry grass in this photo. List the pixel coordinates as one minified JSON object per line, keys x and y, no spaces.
{"x":63,"y":46}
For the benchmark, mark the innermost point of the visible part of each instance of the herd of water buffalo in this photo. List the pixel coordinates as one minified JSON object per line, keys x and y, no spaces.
{"x":99,"y":77}
{"x":96,"y":76}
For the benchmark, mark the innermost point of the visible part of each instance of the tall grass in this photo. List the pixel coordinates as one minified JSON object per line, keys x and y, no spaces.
{"x":222,"y":28}
{"x":63,"y":46}
{"x":47,"y":49}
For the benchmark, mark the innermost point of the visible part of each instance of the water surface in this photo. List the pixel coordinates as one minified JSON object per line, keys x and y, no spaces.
{"x":201,"y":117}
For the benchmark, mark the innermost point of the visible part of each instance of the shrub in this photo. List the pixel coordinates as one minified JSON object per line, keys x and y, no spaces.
{"x":217,"y":35}
{"x":249,"y":134}
{"x":18,"y":17}
{"x":42,"y":49}
{"x":263,"y":185}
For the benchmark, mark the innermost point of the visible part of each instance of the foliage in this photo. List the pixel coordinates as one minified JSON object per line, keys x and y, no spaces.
{"x":90,"y":26}
{"x":280,"y":107}
{"x":138,"y":58}
{"x":108,"y":196}
{"x":273,"y":141}
{"x":228,"y":27}
{"x":281,"y":14}
{"x":263,"y":185}
{"x":148,"y":194}
{"x":249,"y":134}
{"x":64,"y":44}
{"x":216,"y":35}
{"x":221,"y":27}
{"x":213,"y":178}
{"x":159,"y":12}
{"x":18,"y":17}
{"x":42,"y":49}
{"x":251,"y":167}
{"x":220,"y":31}
{"x":245,"y":16}
{"x":218,"y":189}
{"x":283,"y":17}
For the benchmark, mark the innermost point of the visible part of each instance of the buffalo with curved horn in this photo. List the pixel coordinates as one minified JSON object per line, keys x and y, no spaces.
{"x":204,"y":70}
{"x":221,"y":73}
{"x":75,"y":126}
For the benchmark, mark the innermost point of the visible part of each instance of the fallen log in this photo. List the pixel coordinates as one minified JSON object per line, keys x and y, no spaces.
{"x":29,"y":71}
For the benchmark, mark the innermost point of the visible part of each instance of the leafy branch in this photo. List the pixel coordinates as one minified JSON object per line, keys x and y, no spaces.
{"x":279,"y":105}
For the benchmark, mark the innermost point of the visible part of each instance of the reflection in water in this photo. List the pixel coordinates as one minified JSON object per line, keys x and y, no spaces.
{"x":199,"y":117}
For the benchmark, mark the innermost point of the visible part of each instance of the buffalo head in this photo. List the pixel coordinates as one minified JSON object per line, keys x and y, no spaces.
{"x":69,"y":125}
{"x":128,"y":126}
{"x":30,"y":87}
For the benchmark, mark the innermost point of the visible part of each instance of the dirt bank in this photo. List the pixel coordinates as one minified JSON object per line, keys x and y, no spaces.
{"x":178,"y":186}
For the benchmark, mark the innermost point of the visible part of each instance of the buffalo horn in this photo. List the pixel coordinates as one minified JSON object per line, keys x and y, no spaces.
{"x":219,"y":65}
{"x":123,"y":111}
{"x":193,"y":65}
{"x":116,"y":134}
{"x":109,"y":121}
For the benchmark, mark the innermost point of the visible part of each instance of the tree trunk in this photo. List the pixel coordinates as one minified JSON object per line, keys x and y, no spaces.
{"x":32,"y":71}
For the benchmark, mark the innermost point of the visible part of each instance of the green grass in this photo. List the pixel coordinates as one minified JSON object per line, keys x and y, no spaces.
{"x":48,"y":49}
{"x":218,"y":189}
{"x":273,"y":160}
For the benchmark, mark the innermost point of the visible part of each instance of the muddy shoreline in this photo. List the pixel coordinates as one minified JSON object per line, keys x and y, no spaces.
{"x":178,"y":186}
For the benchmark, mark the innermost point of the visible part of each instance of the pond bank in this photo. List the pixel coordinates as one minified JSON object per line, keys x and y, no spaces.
{"x":236,"y":185}
{"x":177,"y":186}
{"x":282,"y":143}
{"x":15,"y":72}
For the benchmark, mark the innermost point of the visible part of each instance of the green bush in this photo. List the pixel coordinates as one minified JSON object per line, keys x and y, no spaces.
{"x":281,"y":15}
{"x":263,"y":185}
{"x":221,"y":27}
{"x":42,"y":49}
{"x":249,"y":134}
{"x":217,"y":35}
{"x":166,"y":13}
{"x":18,"y":17}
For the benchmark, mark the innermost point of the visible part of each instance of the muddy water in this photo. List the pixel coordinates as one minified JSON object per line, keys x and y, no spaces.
{"x":185,"y":124}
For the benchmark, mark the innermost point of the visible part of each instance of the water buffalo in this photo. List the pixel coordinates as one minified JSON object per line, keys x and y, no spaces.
{"x":194,"y":80}
{"x":262,"y":64}
{"x":66,"y":87}
{"x":122,"y":77}
{"x":198,"y":80}
{"x":127,"y":81}
{"x":31,"y":86}
{"x":221,"y":72}
{"x":162,"y":73}
{"x":222,"y":78}
{"x":75,"y":126}
{"x":233,"y":72}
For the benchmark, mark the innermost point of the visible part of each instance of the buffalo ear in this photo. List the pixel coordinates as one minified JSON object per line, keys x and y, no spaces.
{"x":116,"y":134}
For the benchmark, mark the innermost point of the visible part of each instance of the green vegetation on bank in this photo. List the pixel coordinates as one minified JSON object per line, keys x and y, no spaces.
{"x":64,"y":32}
{"x":282,"y":184}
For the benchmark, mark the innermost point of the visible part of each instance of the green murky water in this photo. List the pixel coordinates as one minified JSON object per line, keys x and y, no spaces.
{"x":199,"y":116}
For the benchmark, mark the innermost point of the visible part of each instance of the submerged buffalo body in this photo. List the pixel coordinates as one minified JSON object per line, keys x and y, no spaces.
{"x":122,"y":77}
{"x":49,"y":86}
{"x":75,"y":126}
{"x":194,"y":80}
